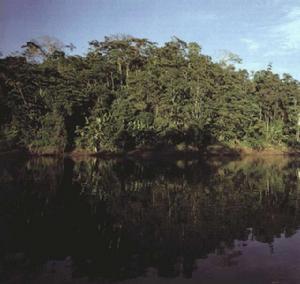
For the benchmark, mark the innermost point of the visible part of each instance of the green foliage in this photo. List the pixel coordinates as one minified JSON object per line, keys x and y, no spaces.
{"x":9,"y":136}
{"x":274,"y":134}
{"x":51,"y":133}
{"x":98,"y":133}
{"x":128,"y":93}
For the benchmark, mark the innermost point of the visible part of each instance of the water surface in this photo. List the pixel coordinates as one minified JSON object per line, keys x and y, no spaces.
{"x":200,"y":221}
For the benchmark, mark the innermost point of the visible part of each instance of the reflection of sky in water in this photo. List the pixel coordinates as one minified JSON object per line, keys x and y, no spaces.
{"x":248,"y":262}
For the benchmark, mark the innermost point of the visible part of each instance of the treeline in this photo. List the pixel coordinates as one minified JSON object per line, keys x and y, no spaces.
{"x":129,"y":92}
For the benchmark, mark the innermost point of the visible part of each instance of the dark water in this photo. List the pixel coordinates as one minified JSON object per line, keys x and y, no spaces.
{"x":94,"y":221}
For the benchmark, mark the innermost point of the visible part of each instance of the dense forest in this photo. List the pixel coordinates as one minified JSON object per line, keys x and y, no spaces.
{"x":127,"y":93}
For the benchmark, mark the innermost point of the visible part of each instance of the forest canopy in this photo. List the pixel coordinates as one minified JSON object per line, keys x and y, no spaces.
{"x":127,"y":93}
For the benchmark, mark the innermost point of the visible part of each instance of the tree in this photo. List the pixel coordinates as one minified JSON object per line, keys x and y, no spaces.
{"x":128,"y":92}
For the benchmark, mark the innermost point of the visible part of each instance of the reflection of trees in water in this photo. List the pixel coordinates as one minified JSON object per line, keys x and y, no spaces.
{"x":25,"y":185}
{"x":116,"y":218}
{"x":169,"y":213}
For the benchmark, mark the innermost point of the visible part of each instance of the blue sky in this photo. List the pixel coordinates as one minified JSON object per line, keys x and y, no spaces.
{"x":259,"y":31}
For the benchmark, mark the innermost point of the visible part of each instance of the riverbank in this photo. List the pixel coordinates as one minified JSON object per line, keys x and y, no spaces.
{"x":165,"y":153}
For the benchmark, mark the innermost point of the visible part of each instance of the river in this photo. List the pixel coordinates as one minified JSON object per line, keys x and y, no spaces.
{"x":156,"y":221}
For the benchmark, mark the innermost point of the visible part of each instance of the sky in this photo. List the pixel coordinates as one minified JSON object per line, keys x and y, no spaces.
{"x":259,"y":31}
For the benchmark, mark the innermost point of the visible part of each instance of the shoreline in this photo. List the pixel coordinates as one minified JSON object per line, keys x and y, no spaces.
{"x":167,"y":153}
